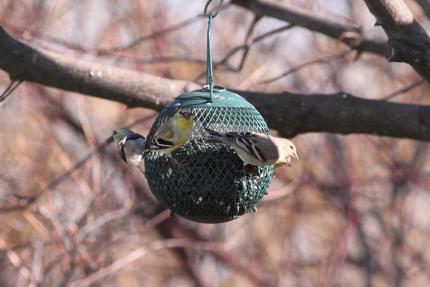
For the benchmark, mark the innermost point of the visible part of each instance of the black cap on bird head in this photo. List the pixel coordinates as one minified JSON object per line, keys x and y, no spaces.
{"x":186,"y":114}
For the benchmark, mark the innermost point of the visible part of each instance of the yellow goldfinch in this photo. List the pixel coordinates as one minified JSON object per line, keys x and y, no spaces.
{"x":256,"y":148}
{"x":173,"y":134}
{"x":131,"y":145}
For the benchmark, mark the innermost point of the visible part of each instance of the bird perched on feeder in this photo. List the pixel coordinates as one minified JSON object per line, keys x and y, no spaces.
{"x":131,"y":145}
{"x":256,"y":148}
{"x":172,"y":135}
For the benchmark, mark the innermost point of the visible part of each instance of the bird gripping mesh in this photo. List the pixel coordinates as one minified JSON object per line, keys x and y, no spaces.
{"x":210,"y":185}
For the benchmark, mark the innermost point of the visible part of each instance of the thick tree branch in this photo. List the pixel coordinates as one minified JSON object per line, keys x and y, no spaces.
{"x":341,"y":113}
{"x":408,"y":41}
{"x":348,"y":34}
{"x":132,"y":88}
{"x":288,"y":113}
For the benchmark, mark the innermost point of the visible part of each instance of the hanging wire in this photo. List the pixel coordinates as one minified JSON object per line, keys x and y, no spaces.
{"x":209,"y":75}
{"x":211,"y":15}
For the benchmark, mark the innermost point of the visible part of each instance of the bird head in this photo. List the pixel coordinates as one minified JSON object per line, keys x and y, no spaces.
{"x":184,"y":119}
{"x":292,"y":151}
{"x":187,"y":115}
{"x":119,"y":134}
{"x":288,"y":152}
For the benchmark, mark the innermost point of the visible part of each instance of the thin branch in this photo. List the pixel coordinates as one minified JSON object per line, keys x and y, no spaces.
{"x":248,"y":44}
{"x":9,"y":90}
{"x":348,"y":34}
{"x":141,"y":252}
{"x":160,"y":33}
{"x":248,"y":41}
{"x":151,"y":36}
{"x":170,"y":59}
{"x":297,"y":68}
{"x":101,"y":221}
{"x":403,"y":90}
{"x":26,"y":202}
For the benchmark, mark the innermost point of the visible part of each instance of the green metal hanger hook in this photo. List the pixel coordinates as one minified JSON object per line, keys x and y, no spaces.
{"x":215,"y":11}
{"x":209,"y":76}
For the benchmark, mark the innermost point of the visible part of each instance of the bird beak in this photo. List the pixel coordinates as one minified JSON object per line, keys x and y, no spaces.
{"x":296,"y":156}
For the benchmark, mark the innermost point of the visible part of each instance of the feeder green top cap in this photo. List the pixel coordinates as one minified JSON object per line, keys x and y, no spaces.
{"x":201,"y":98}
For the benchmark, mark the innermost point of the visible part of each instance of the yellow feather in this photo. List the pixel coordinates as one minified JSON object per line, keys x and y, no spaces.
{"x":184,"y":124}
{"x":183,"y":128}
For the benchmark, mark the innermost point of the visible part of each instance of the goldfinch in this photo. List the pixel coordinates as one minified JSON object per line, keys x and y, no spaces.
{"x":131,"y":145}
{"x":256,"y":148}
{"x":173,"y":134}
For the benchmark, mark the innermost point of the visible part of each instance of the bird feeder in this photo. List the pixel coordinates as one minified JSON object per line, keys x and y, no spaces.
{"x":210,"y":185}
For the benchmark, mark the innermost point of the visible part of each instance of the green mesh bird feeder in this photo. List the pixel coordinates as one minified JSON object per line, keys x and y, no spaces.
{"x":210,"y":186}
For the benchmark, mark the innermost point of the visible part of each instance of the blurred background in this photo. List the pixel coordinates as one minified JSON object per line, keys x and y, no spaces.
{"x":352,"y":212}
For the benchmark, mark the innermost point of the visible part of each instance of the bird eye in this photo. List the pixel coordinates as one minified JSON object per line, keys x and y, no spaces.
{"x":291,"y":147}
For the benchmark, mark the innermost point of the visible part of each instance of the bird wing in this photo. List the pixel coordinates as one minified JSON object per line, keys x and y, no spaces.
{"x":267,"y":145}
{"x":122,"y":152}
{"x":164,"y":138}
{"x":135,"y":136}
{"x":134,"y":142}
{"x":248,"y":142}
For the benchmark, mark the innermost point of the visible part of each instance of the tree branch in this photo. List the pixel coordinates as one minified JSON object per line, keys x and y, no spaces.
{"x":289,"y":113}
{"x":425,"y":6}
{"x":132,"y":88}
{"x":348,"y":34}
{"x":408,"y":41}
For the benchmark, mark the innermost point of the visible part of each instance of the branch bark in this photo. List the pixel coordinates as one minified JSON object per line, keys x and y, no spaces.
{"x":348,"y":34}
{"x":132,"y":88}
{"x":289,"y":113}
{"x":408,"y":40}
{"x":425,"y":6}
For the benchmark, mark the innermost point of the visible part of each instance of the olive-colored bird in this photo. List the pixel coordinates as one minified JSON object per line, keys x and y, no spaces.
{"x":173,"y":134}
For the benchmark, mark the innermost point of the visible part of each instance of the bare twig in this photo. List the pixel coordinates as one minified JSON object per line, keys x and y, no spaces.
{"x":403,"y":90}
{"x":16,"y":261}
{"x":248,"y":44}
{"x":100,"y":221}
{"x":9,"y":90}
{"x":26,"y":202}
{"x":248,"y":41}
{"x":348,"y":34}
{"x":322,"y":60}
{"x":139,"y":253}
{"x":36,"y":269}
{"x":170,"y":59}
